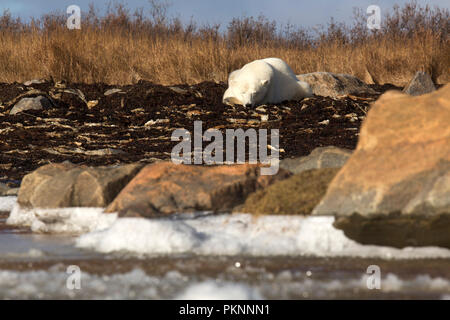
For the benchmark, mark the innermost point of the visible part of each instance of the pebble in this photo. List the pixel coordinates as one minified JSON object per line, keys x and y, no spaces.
{"x":92,"y":104}
{"x":112,"y":91}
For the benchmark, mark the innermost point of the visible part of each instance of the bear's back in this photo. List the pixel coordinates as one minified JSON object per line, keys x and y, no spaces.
{"x":281,"y":66}
{"x":258,"y":69}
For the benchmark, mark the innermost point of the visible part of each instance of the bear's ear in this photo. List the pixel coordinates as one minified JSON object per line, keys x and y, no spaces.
{"x":264,"y":82}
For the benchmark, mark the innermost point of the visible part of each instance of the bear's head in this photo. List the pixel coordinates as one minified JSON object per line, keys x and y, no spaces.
{"x":245,"y":91}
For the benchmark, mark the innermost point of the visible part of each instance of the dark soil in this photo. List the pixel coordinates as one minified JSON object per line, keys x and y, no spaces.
{"x":71,"y":131}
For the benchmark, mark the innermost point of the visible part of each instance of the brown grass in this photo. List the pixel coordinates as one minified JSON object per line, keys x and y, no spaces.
{"x":123,"y":47}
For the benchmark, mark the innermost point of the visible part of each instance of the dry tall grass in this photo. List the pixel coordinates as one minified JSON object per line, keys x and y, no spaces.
{"x":123,"y":47}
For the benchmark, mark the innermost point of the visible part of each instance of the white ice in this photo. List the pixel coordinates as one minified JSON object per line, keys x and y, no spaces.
{"x":7,"y":203}
{"x":136,"y":284}
{"x":241,"y":234}
{"x":227,"y":235}
{"x":211,"y":290}
{"x":67,"y":220}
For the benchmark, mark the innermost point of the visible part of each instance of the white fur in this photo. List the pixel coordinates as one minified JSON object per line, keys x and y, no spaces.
{"x":263,"y":81}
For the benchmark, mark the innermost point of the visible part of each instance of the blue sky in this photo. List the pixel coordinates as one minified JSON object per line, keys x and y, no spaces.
{"x":299,"y":12}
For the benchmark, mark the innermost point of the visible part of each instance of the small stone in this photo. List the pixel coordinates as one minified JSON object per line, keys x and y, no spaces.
{"x":3,"y":189}
{"x":233,"y":120}
{"x":35,"y":81}
{"x":178,"y":90}
{"x":192,"y":113}
{"x":91,"y":104}
{"x":112,"y":91}
{"x":325,"y":122}
{"x":198,"y":94}
{"x":60,"y":85}
{"x":323,"y":157}
{"x":157,"y":121}
{"x":253,"y":122}
{"x":76,"y":92}
{"x":420,"y":84}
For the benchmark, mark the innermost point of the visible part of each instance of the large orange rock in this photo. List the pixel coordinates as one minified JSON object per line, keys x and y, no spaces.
{"x":166,"y":188}
{"x":395,"y":188}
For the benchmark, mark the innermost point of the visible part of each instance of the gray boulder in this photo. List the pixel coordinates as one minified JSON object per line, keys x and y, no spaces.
{"x":319,"y":158}
{"x":333,"y":85}
{"x":36,"y":103}
{"x":420,"y":84}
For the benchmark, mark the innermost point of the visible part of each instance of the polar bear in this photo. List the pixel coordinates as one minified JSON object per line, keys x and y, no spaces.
{"x":263,"y":81}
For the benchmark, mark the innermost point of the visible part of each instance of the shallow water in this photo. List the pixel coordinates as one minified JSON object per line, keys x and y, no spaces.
{"x":200,"y":258}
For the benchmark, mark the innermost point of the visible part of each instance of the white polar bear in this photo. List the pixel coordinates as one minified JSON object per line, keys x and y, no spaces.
{"x":264,"y":81}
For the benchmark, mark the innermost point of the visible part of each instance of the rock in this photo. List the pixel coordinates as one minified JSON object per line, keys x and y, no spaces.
{"x":60,"y":85}
{"x":12,"y":192}
{"x":100,"y":152}
{"x":91,"y":104}
{"x":179,"y":90}
{"x":112,"y":91}
{"x":76,"y":92}
{"x":395,"y":188}
{"x":68,"y":185}
{"x":420,"y":84}
{"x":35,"y":81}
{"x":92,"y":153}
{"x":36,"y":103}
{"x":59,"y":90}
{"x":3,"y":189}
{"x":333,"y":85}
{"x":166,"y":188}
{"x":324,"y":157}
{"x":6,"y":191}
{"x":157,"y":121}
{"x":297,"y":195}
